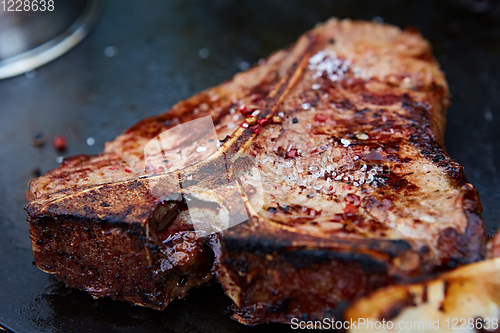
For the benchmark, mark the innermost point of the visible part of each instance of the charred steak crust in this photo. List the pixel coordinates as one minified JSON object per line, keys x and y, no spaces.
{"x":358,"y":190}
{"x":277,"y":276}
{"x":116,"y":259}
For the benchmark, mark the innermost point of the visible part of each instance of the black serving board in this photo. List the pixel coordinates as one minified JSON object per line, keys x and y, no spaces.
{"x":86,"y":94}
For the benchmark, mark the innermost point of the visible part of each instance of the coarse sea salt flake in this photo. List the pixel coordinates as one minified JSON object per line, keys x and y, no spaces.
{"x":362,"y":136}
{"x":370,"y":178}
{"x":317,"y":58}
{"x":345,"y":142}
{"x":201,"y":149}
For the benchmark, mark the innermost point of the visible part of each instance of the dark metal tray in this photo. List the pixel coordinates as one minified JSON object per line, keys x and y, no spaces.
{"x":87,"y":94}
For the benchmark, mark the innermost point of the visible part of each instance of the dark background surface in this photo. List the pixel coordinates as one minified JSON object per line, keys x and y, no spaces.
{"x":84,"y":93}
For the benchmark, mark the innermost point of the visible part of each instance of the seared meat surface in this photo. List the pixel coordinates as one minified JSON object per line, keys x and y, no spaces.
{"x":358,"y":191}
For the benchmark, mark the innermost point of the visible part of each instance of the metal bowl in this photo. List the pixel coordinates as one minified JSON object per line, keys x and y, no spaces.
{"x":30,"y":39}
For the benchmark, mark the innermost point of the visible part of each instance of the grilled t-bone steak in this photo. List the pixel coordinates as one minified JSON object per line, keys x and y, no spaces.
{"x":358,"y":190}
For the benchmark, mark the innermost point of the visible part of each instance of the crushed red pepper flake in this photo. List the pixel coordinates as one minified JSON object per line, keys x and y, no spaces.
{"x":321,"y":118}
{"x":244,"y":110}
{"x":263,"y":121}
{"x":291,"y":154}
{"x":350,"y":209}
{"x":256,"y":128}
{"x":59,"y":142}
